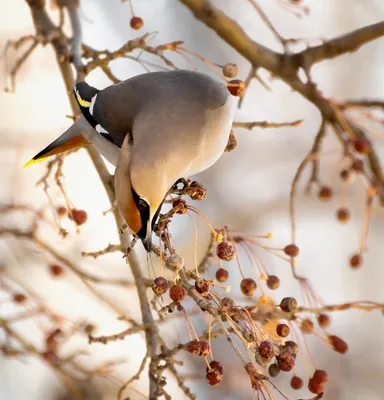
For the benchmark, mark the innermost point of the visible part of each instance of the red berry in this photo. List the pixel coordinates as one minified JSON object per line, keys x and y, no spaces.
{"x":338,"y":344}
{"x":160,"y":285}
{"x":273,"y":282}
{"x":79,"y":216}
{"x":283,"y":330}
{"x":285,"y":361}
{"x":56,"y":270}
{"x":343,"y":215}
{"x":325,"y":193}
{"x":216,"y":366}
{"x":290,"y":347}
{"x":248,"y":286}
{"x":320,"y":376}
{"x":61,"y":211}
{"x":232,"y":143}
{"x":222,"y":275}
{"x":236,"y":87}
{"x":297,"y":383}
{"x":19,"y":298}
{"x":136,"y":23}
{"x":361,"y":146}
{"x":213,"y":377}
{"x":288,"y":304}
{"x":315,"y":387}
{"x":355,"y":261}
{"x":202,"y":286}
{"x":225,"y":251}
{"x":181,"y":204}
{"x":177,"y":293}
{"x":199,"y":348}
{"x":230,"y":70}
{"x":266,"y":350}
{"x":291,"y":250}
{"x":324,"y":320}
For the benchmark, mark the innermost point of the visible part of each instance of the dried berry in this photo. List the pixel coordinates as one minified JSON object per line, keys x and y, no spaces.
{"x":79,"y":216}
{"x":230,"y":70}
{"x":56,"y":270}
{"x":174,"y":263}
{"x":358,"y":165}
{"x":288,"y":304}
{"x":343,"y":214}
{"x":345,"y":175}
{"x":297,"y":383}
{"x":291,"y":250}
{"x":196,"y":191}
{"x":215,"y":365}
{"x":274,"y":370}
{"x":283,"y":330}
{"x":202,"y":286}
{"x":213,"y":377}
{"x":19,"y":298}
{"x":136,"y":23}
{"x":225,"y":251}
{"x":236,"y":87}
{"x":177,"y":293}
{"x":227,"y":303}
{"x":248,"y":286}
{"x":290,"y":347}
{"x":361,"y":146}
{"x":222,"y":275}
{"x":315,"y":387}
{"x":355,"y":261}
{"x":232,"y":143}
{"x":285,"y":361}
{"x":307,"y":326}
{"x":320,"y":376}
{"x":325,"y":193}
{"x":199,"y":348}
{"x":273,"y":282}
{"x":181,"y":204}
{"x":338,"y":344}
{"x":265,"y":349}
{"x":160,"y":285}
{"x":61,"y":211}
{"x":324,"y":320}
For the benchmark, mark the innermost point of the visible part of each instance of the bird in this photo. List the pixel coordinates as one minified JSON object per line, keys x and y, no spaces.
{"x":155,"y":128}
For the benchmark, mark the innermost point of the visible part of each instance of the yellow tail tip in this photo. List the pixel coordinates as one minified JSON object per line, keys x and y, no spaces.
{"x":32,"y":161}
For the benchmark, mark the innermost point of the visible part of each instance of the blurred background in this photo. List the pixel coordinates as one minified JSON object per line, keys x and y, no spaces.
{"x":248,"y":190}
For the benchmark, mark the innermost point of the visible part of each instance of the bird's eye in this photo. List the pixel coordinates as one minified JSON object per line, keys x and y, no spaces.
{"x":142,"y":205}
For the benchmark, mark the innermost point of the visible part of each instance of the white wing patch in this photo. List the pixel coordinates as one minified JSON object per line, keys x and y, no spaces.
{"x":93,"y":101}
{"x":100,"y":129}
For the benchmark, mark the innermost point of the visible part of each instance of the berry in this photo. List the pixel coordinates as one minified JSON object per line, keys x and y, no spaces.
{"x":202,"y":286}
{"x":227,"y":303}
{"x":273,"y":282}
{"x":288,"y":304}
{"x":343,"y":215}
{"x":325,"y":193}
{"x":174,"y":263}
{"x":196,"y":191}
{"x":181,"y":204}
{"x":79,"y":216}
{"x":136,"y":23}
{"x":160,"y":285}
{"x":56,"y":270}
{"x":274,"y":370}
{"x":315,"y":387}
{"x":248,"y":286}
{"x":358,"y":165}
{"x":61,"y":211}
{"x":236,"y":87}
{"x":213,"y":377}
{"x":320,"y":376}
{"x":285,"y":361}
{"x":338,"y":344}
{"x":361,"y":146}
{"x":283,"y":330}
{"x":177,"y":293}
{"x":215,"y":365}
{"x":222,"y":275}
{"x":345,"y":175}
{"x":232,"y":143}
{"x":291,"y":250}
{"x":225,"y":251}
{"x":297,"y":383}
{"x":355,"y":261}
{"x":199,"y":348}
{"x":19,"y":298}
{"x":290,"y":347}
{"x":266,"y":350}
{"x":230,"y":70}
{"x":324,"y":320}
{"x":307,"y":326}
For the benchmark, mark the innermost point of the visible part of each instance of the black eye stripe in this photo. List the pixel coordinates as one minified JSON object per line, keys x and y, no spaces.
{"x":144,"y":214}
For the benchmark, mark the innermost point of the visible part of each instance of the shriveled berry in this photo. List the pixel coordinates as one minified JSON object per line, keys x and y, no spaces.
{"x":315,"y":387}
{"x":297,"y":383}
{"x":338,"y":344}
{"x":174,"y":263}
{"x":232,"y":143}
{"x":196,"y":191}
{"x":273,"y":282}
{"x":266,"y":350}
{"x":177,"y":293}
{"x":325,"y":193}
{"x":227,"y":303}
{"x":199,"y":348}
{"x":56,"y":270}
{"x":345,"y":175}
{"x":290,"y":347}
{"x":288,"y":304}
{"x":248,"y":286}
{"x":160,"y":285}
{"x":285,"y":361}
{"x":225,"y":251}
{"x":361,"y":146}
{"x":136,"y":23}
{"x":61,"y":211}
{"x":79,"y":216}
{"x":283,"y":330}
{"x":202,"y":286}
{"x":307,"y":326}
{"x":324,"y":320}
{"x":358,"y":165}
{"x":343,"y":214}
{"x":213,"y":377}
{"x":291,"y":250}
{"x":181,"y":204}
{"x":236,"y":87}
{"x":216,"y":366}
{"x":230,"y":70}
{"x":355,"y":261}
{"x":274,"y":370}
{"x":222,"y":275}
{"x":19,"y":298}
{"x":320,"y":376}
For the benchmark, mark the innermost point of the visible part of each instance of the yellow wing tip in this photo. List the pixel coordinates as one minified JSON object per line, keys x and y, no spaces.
{"x":34,"y":161}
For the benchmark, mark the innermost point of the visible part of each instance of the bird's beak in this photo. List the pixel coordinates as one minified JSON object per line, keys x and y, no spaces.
{"x":147,"y":241}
